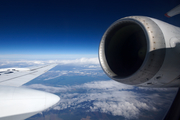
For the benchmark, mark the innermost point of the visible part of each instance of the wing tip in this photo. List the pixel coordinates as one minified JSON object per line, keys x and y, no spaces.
{"x":167,"y":15}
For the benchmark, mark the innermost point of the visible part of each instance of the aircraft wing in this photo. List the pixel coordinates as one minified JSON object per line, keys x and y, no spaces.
{"x":19,"y":76}
{"x":19,"y":103}
{"x":173,"y":12}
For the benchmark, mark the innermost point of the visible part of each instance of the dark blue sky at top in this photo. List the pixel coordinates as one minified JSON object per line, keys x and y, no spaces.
{"x":68,"y":26}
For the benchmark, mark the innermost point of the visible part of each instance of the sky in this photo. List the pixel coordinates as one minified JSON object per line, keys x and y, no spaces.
{"x":42,"y":28}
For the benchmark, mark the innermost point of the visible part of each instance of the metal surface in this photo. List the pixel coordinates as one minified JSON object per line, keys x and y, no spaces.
{"x":20,"y":76}
{"x":16,"y":101}
{"x":19,"y":103}
{"x":173,"y":12}
{"x":159,"y":49}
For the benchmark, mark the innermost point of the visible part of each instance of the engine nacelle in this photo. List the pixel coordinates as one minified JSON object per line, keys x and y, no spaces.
{"x":141,"y":51}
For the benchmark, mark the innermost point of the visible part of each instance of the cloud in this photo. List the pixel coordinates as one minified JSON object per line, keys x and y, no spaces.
{"x":111,"y":97}
{"x":91,"y":62}
{"x":80,"y":61}
{"x":48,"y":88}
{"x":58,"y":74}
{"x":106,"y":85}
{"x":20,"y":63}
{"x":52,"y":74}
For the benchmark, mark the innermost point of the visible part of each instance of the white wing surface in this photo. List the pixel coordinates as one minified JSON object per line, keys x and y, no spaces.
{"x":19,"y":76}
{"x":173,"y":12}
{"x":18,"y":103}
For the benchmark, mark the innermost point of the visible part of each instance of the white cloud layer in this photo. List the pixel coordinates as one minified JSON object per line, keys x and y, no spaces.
{"x":106,"y":96}
{"x":59,"y":73}
{"x":81,"y":61}
{"x":109,"y":97}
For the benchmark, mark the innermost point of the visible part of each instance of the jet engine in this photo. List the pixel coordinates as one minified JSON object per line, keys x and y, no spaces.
{"x":141,"y":51}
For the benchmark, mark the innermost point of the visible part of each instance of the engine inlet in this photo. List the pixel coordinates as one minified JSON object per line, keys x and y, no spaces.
{"x":125,"y":48}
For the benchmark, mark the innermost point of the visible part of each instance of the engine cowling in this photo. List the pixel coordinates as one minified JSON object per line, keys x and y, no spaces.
{"x":141,"y":51}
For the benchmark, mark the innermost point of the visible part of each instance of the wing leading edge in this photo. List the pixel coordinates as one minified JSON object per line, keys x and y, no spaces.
{"x":19,"y":76}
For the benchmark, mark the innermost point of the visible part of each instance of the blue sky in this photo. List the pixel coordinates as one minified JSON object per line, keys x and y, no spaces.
{"x":41,"y":27}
